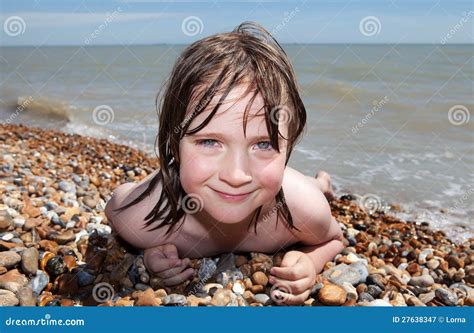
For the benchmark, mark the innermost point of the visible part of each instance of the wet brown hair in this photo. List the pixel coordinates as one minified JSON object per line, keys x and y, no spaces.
{"x":208,"y":67}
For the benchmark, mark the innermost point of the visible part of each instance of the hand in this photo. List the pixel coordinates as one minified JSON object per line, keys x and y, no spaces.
{"x":163,"y":261}
{"x":294,"y":279}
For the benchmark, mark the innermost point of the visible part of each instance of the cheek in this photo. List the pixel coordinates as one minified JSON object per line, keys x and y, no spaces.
{"x":193,"y":170}
{"x":271,"y":177}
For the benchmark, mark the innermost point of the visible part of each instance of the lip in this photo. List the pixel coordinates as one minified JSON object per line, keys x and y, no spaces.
{"x":233,"y":197}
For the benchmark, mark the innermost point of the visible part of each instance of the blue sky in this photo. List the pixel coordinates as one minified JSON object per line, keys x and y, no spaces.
{"x":45,"y":22}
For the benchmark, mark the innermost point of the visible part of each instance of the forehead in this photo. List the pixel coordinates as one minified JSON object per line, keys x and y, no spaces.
{"x":231,"y":112}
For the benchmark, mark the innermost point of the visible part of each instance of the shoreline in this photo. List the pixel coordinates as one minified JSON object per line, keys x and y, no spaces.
{"x":56,"y":245}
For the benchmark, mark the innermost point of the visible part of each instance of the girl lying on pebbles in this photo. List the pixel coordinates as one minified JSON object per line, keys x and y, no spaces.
{"x":230,"y":117}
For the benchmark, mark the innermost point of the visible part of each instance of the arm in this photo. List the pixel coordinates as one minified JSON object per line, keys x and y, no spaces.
{"x":321,"y":239}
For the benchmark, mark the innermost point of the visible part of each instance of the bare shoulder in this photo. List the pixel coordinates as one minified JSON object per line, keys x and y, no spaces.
{"x":309,"y":209}
{"x":129,"y":222}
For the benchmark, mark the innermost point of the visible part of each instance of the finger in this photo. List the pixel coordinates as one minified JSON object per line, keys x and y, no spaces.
{"x":157,"y":265}
{"x":290,"y":258}
{"x":173,"y":271}
{"x":170,"y":251}
{"x":292,"y":287}
{"x":283,"y":298}
{"x":181,"y":277}
{"x":292,"y":273}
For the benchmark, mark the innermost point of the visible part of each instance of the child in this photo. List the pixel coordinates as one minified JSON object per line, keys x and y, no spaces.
{"x":229,"y":119}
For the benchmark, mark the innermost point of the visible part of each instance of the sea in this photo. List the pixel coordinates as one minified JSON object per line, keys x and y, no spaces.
{"x":390,"y":123}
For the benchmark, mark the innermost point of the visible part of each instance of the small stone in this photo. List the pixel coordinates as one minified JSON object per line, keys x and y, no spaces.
{"x":6,"y":220}
{"x":376,"y":279}
{"x":56,"y":266}
{"x":147,"y":298}
{"x":332,"y":294}
{"x":240,"y":260}
{"x":84,"y":278}
{"x":446,"y":296}
{"x":350,"y":290}
{"x":414,"y":301}
{"x":67,"y":187}
{"x":378,"y":302}
{"x":455,"y":262}
{"x":238,"y":288}
{"x":374,"y":290}
{"x":26,"y":297}
{"x":160,"y":293}
{"x":9,"y":259}
{"x":18,"y":222}
{"x":13,"y":280}
{"x":90,"y":202}
{"x":427,"y":297}
{"x":422,"y":281}
{"x":257,"y":288}
{"x":365,"y":297}
{"x":207,"y":269}
{"x":422,"y":257}
{"x":354,"y":274}
{"x":260,"y":278}
{"x":64,"y":237}
{"x":8,"y":298}
{"x":29,"y":260}
{"x":207,"y":287}
{"x":174,"y":299}
{"x":263,"y":299}
{"x":222,"y":297}
{"x":432,"y":264}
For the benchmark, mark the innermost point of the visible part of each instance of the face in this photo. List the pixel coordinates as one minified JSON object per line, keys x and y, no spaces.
{"x":232,"y":174}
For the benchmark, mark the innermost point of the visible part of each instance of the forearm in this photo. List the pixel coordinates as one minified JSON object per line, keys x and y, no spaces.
{"x":322,"y":253}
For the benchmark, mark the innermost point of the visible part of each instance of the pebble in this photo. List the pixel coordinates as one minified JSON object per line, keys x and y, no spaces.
{"x":13,"y":280}
{"x":422,"y":281}
{"x":66,"y":186}
{"x":354,"y":273}
{"x":26,"y":297}
{"x":222,"y":297}
{"x":9,"y":259}
{"x":8,"y":298}
{"x":147,"y":298}
{"x":332,"y":294}
{"x":378,"y":302}
{"x":262,"y":299}
{"x":446,"y":296}
{"x":174,"y":299}
{"x":365,"y":297}
{"x":6,"y":220}
{"x":29,"y":260}
{"x":260,"y":278}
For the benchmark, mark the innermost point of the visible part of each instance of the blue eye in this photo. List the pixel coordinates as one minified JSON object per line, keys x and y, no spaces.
{"x":267,"y":145}
{"x":206,"y":142}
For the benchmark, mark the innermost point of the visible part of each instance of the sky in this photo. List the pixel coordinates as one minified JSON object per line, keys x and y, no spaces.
{"x":127,"y":22}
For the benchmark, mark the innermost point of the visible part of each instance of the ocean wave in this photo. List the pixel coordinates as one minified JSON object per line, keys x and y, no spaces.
{"x":48,"y":106}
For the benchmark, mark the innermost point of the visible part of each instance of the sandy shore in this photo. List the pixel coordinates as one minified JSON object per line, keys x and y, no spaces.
{"x":57,"y":248}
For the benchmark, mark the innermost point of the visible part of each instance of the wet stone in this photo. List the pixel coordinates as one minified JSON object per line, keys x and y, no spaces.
{"x":446,"y":296}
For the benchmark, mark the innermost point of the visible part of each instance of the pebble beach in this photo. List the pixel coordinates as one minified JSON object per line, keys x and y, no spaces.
{"x":57,"y":249}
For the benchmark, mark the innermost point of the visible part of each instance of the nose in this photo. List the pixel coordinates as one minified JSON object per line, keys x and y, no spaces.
{"x":235,"y":170}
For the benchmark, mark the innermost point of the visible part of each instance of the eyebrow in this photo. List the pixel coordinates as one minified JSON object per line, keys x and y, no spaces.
{"x":221,"y":135}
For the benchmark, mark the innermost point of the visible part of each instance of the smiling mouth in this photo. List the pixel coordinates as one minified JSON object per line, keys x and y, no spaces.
{"x":233,"y":197}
